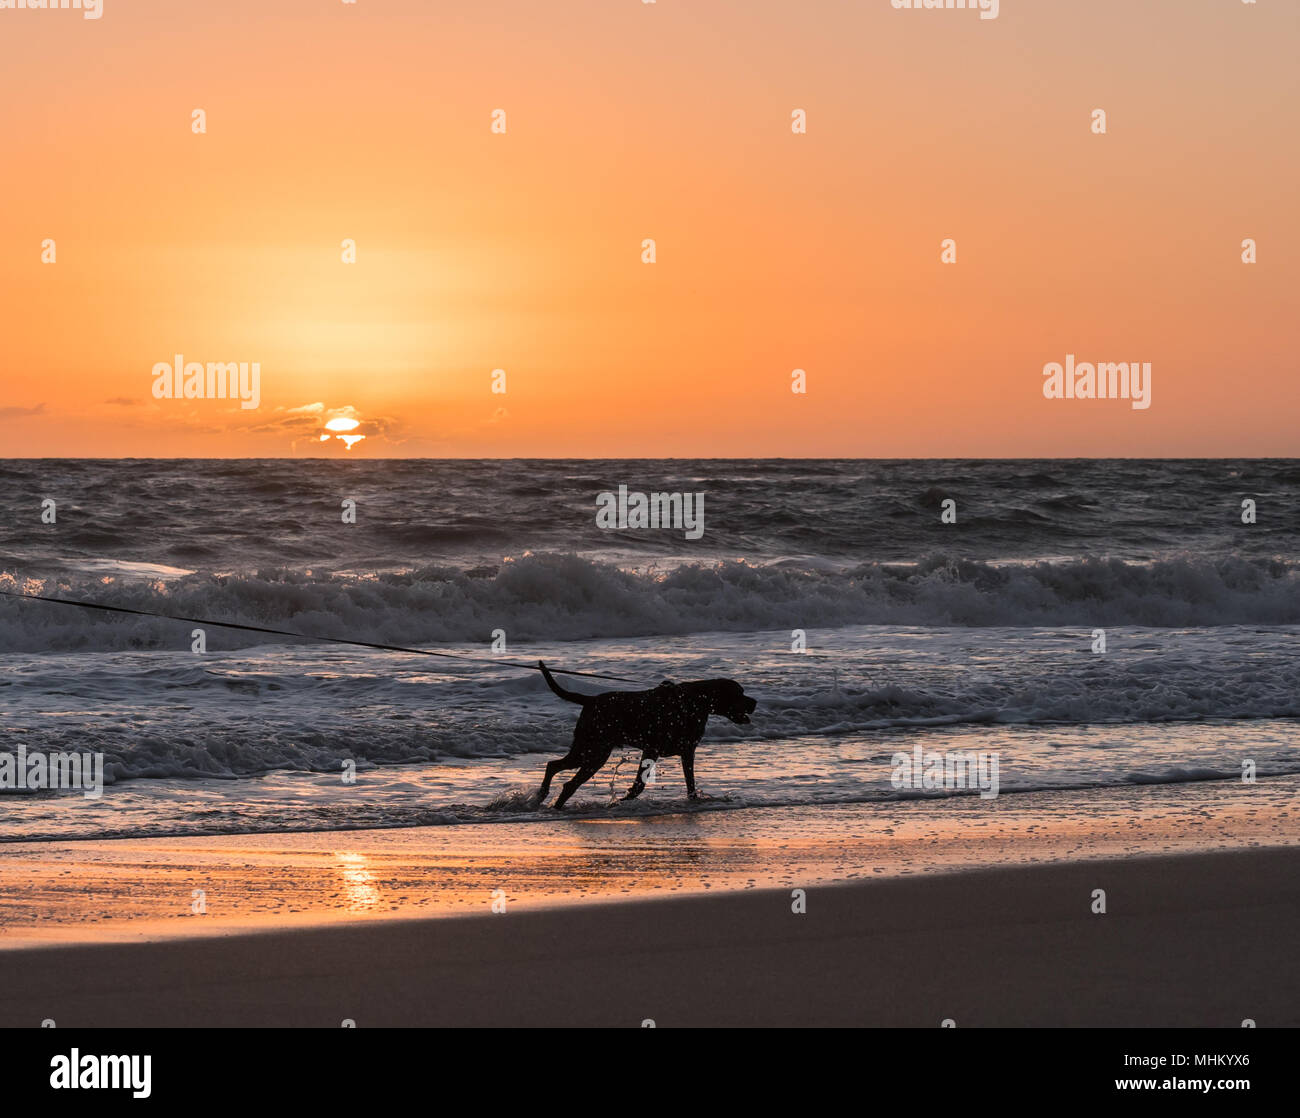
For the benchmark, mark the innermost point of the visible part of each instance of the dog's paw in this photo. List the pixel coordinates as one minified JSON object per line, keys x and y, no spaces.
{"x":705,"y":798}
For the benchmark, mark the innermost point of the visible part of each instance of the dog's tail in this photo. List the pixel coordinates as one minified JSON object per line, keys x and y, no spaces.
{"x":572,"y":696}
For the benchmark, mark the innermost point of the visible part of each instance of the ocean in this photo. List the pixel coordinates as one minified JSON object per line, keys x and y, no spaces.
{"x":865,"y":621}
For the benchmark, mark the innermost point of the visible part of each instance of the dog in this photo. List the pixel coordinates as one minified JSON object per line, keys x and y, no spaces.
{"x":666,"y":721}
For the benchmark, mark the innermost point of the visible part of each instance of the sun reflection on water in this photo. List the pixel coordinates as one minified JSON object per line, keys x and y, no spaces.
{"x":358,"y":886}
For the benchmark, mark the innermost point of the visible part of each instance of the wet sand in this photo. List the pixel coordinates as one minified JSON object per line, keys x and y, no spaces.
{"x":1187,"y":940}
{"x":134,"y":889}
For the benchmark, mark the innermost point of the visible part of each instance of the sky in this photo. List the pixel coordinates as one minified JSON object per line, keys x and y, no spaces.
{"x":775,"y":250}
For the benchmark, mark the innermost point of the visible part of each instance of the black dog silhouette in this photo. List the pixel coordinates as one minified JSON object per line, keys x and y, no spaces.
{"x":667,"y":721}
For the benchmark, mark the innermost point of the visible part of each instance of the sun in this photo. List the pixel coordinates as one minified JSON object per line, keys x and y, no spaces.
{"x":339,"y":424}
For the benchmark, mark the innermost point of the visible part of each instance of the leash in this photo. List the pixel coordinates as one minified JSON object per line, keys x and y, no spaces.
{"x":306,"y":636}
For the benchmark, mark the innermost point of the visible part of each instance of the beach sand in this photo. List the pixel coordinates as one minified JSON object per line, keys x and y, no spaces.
{"x":979,"y":912}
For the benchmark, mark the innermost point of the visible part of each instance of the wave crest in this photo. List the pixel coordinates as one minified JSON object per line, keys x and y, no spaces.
{"x":567,"y":597}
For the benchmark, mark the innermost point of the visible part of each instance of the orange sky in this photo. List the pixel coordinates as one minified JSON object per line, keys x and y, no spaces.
{"x":669,"y":121}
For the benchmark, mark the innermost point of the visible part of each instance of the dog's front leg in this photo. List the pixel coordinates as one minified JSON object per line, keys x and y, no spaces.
{"x":638,"y":785}
{"x":688,"y":771}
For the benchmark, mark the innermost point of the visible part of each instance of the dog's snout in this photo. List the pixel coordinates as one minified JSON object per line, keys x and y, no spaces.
{"x":740,"y":714}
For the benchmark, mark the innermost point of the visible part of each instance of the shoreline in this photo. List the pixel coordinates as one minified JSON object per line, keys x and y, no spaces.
{"x":154,"y":889}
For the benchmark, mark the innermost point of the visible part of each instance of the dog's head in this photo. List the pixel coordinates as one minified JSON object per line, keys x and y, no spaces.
{"x":728,"y":699}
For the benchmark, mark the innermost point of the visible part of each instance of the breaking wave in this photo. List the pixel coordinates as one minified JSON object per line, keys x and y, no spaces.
{"x":560,"y":597}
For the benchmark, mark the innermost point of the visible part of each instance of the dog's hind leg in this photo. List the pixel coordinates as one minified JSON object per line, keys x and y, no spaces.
{"x":576,"y":781}
{"x":553,"y":767}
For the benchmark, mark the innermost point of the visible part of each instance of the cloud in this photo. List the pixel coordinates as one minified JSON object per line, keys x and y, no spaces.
{"x":123,"y":401}
{"x":296,"y":430}
{"x":14,"y":413}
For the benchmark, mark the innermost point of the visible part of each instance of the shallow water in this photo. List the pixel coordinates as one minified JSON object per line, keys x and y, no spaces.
{"x":192,"y":754}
